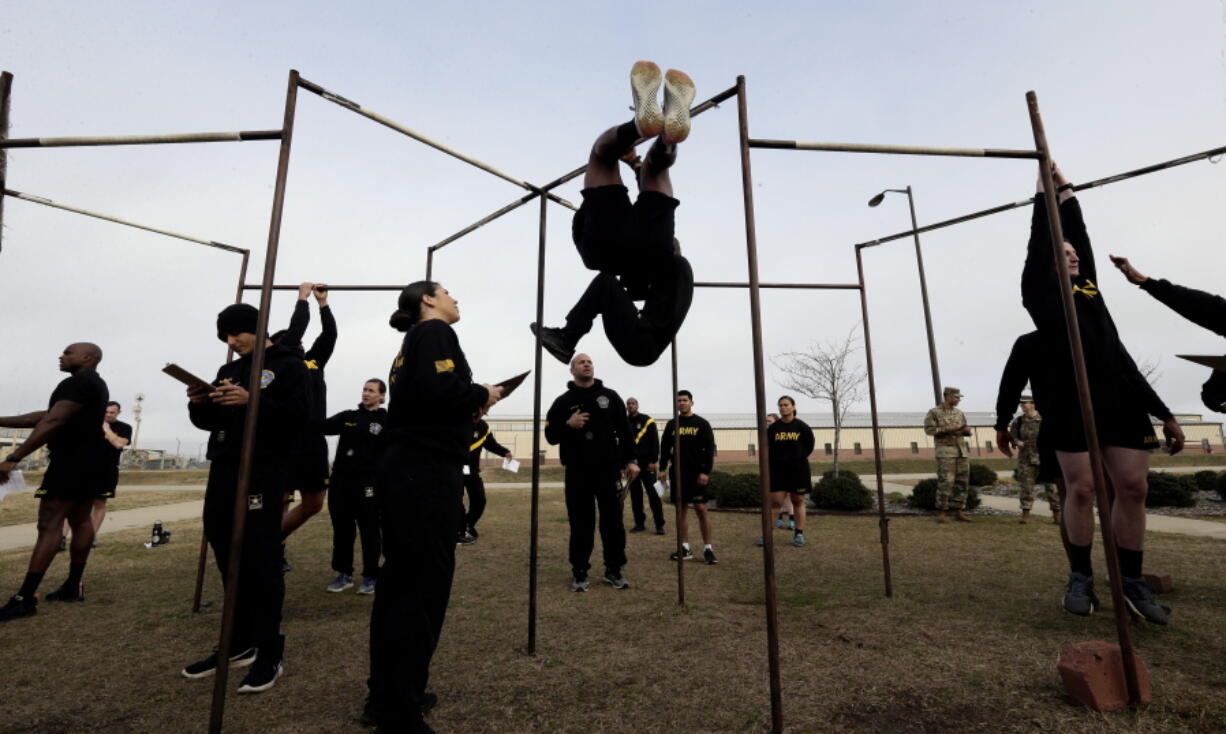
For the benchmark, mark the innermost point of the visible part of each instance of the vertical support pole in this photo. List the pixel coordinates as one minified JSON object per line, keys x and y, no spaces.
{"x":6,"y":91}
{"x":883,"y":522}
{"x":533,"y":549}
{"x":675,"y":483}
{"x":429,"y":263}
{"x":1082,"y":377}
{"x":923,"y":279}
{"x":202,"y":562}
{"x":755,"y":311}
{"x":251,"y":421}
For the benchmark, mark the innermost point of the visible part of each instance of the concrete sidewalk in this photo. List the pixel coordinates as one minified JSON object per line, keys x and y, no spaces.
{"x":23,"y":536}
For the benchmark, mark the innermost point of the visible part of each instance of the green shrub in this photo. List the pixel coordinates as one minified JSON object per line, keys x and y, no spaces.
{"x":1189,"y":483}
{"x":1206,"y":480}
{"x":896,"y":498}
{"x":1166,"y":490}
{"x":924,"y":496}
{"x":736,"y":490}
{"x":982,"y":476}
{"x":842,"y":473}
{"x":844,"y":492}
{"x":1220,"y":486}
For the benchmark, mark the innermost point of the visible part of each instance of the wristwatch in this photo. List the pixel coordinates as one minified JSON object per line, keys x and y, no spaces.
{"x":12,"y":458}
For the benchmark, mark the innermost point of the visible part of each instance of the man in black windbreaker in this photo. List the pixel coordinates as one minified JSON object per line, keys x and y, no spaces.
{"x":351,"y":499}
{"x":696,"y":459}
{"x":309,"y":467}
{"x":588,"y":422}
{"x":222,"y":412}
{"x":647,"y":452}
{"x":1201,"y":308}
{"x":474,"y":487}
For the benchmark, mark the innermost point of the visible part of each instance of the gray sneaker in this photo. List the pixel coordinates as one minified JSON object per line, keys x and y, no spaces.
{"x":616,"y":580}
{"x":343,"y":581}
{"x":1140,"y":600}
{"x":368,"y":586}
{"x":1079,"y":596}
{"x":579,"y":583}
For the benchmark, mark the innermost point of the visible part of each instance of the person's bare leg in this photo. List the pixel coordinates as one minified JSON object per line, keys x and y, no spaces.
{"x":1079,"y":497}
{"x":704,"y":522}
{"x":52,"y":517}
{"x":311,"y":504}
{"x":653,"y":176}
{"x":776,"y":506}
{"x":602,"y":162}
{"x":98,"y":514}
{"x":1128,"y":469}
{"x":798,"y":511}
{"x":80,"y":518}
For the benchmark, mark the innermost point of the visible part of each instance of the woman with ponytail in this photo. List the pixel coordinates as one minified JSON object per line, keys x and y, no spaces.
{"x":419,"y":488}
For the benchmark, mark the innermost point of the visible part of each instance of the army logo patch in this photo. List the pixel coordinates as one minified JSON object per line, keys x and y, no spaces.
{"x":255,"y":502}
{"x":603,"y":401}
{"x":370,"y":491}
{"x":221,"y":436}
{"x":376,"y":429}
{"x":444,"y":365}
{"x":266,"y":378}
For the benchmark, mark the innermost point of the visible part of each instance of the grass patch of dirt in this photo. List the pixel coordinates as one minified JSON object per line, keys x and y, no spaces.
{"x":967,"y":644}
{"x":18,"y":509}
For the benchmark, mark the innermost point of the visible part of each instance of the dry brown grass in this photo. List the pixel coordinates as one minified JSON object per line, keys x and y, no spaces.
{"x":968,"y":643}
{"x":18,"y":509}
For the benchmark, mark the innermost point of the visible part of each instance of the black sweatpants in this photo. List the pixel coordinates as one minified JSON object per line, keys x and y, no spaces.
{"x":589,"y":491}
{"x":353,"y":505}
{"x":261,"y":585}
{"x":637,"y":341}
{"x":419,"y":503}
{"x":640,"y":486}
{"x":474,"y":486}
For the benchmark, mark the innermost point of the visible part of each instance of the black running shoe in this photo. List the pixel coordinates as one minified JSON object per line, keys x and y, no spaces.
{"x":68,"y":592}
{"x":465,"y":538}
{"x":261,"y":677}
{"x":554,"y":342}
{"x":708,"y":557}
{"x":207,"y":667}
{"x":579,"y":583}
{"x":616,"y":580}
{"x":659,"y":530}
{"x":18,"y":607}
{"x":1140,"y":600}
{"x":1079,"y":595}
{"x":638,"y":529}
{"x":686,"y":554}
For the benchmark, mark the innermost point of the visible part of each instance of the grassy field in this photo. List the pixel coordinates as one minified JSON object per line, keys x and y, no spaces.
{"x":18,"y":509}
{"x":968,"y":643}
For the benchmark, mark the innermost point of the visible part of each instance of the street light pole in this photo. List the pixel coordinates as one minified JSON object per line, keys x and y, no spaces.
{"x":919,"y":260}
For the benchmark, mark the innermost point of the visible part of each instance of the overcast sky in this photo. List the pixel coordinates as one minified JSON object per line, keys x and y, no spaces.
{"x":526,"y":87}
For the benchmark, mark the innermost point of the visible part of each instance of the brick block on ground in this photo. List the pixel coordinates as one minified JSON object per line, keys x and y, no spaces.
{"x":1093,"y":675}
{"x":1159,"y":582}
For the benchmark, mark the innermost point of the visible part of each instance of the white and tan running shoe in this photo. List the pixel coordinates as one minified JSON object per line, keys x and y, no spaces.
{"x":644,"y":86}
{"x":678,"y":96}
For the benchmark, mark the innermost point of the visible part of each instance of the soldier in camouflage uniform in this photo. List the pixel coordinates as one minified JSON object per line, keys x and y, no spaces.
{"x":1025,"y":433}
{"x":947,"y":425}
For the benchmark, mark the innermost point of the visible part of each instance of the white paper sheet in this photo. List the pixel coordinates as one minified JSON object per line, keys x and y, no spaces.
{"x":15,"y":484}
{"x":466,"y":471}
{"x":661,"y":487}
{"x":510,"y":464}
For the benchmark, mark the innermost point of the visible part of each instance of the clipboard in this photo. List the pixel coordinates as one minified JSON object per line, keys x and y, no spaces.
{"x":508,"y":386}
{"x":186,"y":377}
{"x":1217,"y":363}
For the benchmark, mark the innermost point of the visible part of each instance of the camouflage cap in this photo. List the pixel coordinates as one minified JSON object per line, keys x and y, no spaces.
{"x":1026,"y":399}
{"x":953,"y":391}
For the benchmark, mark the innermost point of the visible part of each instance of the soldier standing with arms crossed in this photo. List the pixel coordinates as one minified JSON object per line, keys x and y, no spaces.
{"x":947,"y":425}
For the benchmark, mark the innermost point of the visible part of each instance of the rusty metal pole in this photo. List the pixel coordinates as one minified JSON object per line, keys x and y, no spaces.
{"x":202,"y":562}
{"x":883,"y":522}
{"x":533,"y":545}
{"x":429,"y":263}
{"x":6,"y":92}
{"x":923,"y":279}
{"x":1082,"y":377}
{"x":251,"y":421}
{"x":755,"y":311}
{"x":675,"y":484}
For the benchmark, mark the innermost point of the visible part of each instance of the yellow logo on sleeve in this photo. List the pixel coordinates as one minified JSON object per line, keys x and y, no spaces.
{"x":444,"y":365}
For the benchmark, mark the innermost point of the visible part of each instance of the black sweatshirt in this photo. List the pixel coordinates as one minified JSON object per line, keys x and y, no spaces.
{"x":283,"y":409}
{"x":1114,"y":376}
{"x":483,"y":440}
{"x":646,"y":439}
{"x":697,"y":446}
{"x":790,"y":443}
{"x":605,"y":442}
{"x":316,"y":358}
{"x":1203,"y":309}
{"x":433,"y":397}
{"x":1019,"y":369}
{"x":361,"y":444}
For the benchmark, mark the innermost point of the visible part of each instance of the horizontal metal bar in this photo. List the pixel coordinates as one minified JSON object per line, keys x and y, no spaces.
{"x":899,"y":149}
{"x":257,"y":286}
{"x":117,"y":220}
{"x":805,"y":286}
{"x":1026,"y":202}
{"x":68,"y":142}
{"x":405,"y":130}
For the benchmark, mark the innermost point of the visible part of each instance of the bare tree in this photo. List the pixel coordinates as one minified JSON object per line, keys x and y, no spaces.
{"x":1149,"y":369}
{"x":826,"y":372}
